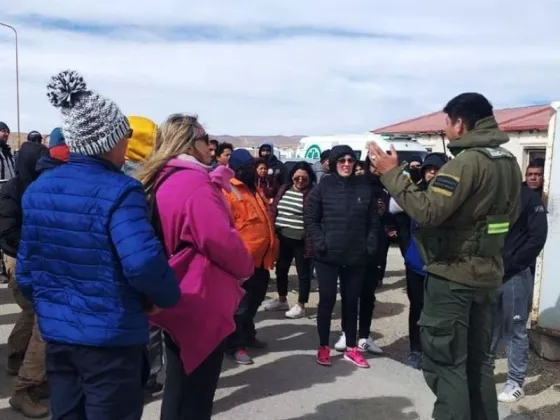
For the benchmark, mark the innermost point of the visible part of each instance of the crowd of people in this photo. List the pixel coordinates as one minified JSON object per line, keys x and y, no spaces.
{"x":131,"y":246}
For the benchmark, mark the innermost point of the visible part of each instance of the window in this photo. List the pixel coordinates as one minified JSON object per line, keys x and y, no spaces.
{"x":532,"y":154}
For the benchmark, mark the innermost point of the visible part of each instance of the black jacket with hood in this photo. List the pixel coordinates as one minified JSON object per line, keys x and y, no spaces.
{"x":276,"y":170}
{"x":10,"y":196}
{"x":527,"y":236}
{"x":341,"y":216}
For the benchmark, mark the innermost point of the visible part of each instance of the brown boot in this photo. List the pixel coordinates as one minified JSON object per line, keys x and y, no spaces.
{"x":42,"y":392}
{"x":29,"y":405}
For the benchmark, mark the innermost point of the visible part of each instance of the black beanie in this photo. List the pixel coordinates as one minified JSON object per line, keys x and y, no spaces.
{"x":4,"y":127}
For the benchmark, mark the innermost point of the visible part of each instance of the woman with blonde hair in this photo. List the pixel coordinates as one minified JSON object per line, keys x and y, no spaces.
{"x":208,"y":257}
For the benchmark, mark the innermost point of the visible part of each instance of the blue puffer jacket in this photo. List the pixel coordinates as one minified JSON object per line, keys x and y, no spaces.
{"x":88,"y":257}
{"x":412,"y":257}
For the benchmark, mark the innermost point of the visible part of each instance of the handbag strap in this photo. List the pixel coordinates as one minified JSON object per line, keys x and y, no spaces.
{"x":153,"y":212}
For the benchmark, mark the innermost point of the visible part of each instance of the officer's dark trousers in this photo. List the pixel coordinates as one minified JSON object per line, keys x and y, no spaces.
{"x":456,"y":335}
{"x":97,"y":383}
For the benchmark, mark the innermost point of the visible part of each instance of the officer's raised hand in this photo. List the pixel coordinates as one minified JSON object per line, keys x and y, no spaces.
{"x":383,"y":161}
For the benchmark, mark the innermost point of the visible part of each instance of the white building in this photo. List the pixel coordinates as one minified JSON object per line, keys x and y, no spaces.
{"x":527,"y":128}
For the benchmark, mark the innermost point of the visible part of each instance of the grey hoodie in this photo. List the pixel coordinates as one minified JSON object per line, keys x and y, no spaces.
{"x":319,"y":170}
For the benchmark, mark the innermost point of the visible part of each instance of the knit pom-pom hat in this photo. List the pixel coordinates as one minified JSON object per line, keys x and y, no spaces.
{"x":91,"y":124}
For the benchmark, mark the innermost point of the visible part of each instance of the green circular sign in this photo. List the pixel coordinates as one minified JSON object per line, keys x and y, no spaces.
{"x":313,"y":152}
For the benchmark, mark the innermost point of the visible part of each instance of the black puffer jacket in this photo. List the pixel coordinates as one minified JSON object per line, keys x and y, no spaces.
{"x":10,"y":196}
{"x":341,"y":217}
{"x":527,"y":236}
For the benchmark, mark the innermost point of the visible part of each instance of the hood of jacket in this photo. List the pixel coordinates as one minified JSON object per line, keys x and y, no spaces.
{"x":141,"y":144}
{"x":486,"y":133}
{"x":28,"y":157}
{"x":272,"y":159}
{"x":434,"y":160}
{"x":336,"y":153}
{"x":220,"y":175}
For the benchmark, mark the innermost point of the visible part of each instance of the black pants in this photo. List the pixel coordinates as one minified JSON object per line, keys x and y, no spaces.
{"x":367,"y":300}
{"x":245,"y":332}
{"x":415,"y":293}
{"x":403,"y":230}
{"x":351,"y":279}
{"x":290,"y":249}
{"x":96,"y":383}
{"x":189,"y":397}
{"x":155,"y":353}
{"x":381,"y":256}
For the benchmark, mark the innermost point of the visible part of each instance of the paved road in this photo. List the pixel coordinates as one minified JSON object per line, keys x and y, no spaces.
{"x":286,"y":384}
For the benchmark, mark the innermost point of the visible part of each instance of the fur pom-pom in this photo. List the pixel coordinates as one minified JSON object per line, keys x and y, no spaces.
{"x":65,"y":88}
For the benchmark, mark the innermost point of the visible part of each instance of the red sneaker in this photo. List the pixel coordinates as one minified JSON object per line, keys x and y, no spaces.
{"x":324,"y":356}
{"x":354,"y":355}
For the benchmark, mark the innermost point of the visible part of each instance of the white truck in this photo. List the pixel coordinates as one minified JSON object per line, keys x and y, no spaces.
{"x":310,"y":148}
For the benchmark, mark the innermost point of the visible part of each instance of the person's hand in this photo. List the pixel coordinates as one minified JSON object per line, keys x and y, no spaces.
{"x":383,"y":162}
{"x":154,"y":310}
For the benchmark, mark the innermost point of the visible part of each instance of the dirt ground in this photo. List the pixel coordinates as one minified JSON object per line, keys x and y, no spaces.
{"x":542,"y":401}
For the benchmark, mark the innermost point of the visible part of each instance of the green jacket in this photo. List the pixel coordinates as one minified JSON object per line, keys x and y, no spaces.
{"x":467,"y":209}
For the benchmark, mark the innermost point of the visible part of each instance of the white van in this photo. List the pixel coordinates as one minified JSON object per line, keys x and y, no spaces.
{"x":310,"y":148}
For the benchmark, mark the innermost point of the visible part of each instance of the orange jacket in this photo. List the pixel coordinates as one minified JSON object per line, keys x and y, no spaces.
{"x":253,"y":223}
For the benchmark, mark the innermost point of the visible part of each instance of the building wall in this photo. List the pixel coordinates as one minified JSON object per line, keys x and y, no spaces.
{"x":525,"y":145}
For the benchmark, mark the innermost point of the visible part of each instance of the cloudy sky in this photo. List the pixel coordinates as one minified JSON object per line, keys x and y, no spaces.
{"x":281,"y":67}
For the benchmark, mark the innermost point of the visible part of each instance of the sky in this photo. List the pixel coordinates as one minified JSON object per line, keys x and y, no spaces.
{"x":280,"y":67}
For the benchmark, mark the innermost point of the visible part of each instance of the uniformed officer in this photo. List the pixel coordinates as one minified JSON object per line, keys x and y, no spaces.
{"x":464,"y":215}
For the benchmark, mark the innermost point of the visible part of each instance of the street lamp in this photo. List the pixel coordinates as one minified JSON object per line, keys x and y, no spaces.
{"x":17,"y":78}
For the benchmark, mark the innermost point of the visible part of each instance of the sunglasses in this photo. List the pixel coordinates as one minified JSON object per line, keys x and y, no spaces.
{"x":349,"y":161}
{"x":300,"y":179}
{"x":205,"y":138}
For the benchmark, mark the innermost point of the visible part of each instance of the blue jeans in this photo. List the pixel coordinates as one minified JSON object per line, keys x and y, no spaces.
{"x":513,"y":310}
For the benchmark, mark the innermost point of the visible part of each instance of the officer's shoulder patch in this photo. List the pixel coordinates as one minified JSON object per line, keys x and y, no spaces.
{"x":445,"y":184}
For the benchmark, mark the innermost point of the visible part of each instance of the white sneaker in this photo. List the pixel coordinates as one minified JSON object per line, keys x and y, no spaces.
{"x":367,"y":344}
{"x":511,"y":393}
{"x":276,"y":305}
{"x":296,"y":312}
{"x":341,"y":343}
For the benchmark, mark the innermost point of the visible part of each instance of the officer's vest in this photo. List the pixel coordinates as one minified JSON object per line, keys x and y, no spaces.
{"x":484,"y":238}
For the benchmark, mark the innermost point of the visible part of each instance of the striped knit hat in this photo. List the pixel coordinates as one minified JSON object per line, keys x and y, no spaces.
{"x":91,"y":124}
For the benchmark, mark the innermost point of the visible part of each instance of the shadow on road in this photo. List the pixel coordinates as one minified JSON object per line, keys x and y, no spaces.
{"x":8,"y":319}
{"x":289,"y":373}
{"x":6,"y":296}
{"x":382,"y":408}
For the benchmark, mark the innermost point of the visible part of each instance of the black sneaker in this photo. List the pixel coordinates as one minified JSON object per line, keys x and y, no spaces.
{"x":257,"y":344}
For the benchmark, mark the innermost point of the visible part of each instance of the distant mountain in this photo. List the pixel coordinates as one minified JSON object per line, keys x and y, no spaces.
{"x":245,"y":141}
{"x":255,"y":141}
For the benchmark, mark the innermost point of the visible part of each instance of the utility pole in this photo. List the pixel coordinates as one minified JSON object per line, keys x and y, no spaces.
{"x":17,"y":80}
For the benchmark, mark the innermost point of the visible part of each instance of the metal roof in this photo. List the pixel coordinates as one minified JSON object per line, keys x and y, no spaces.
{"x":510,"y":119}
